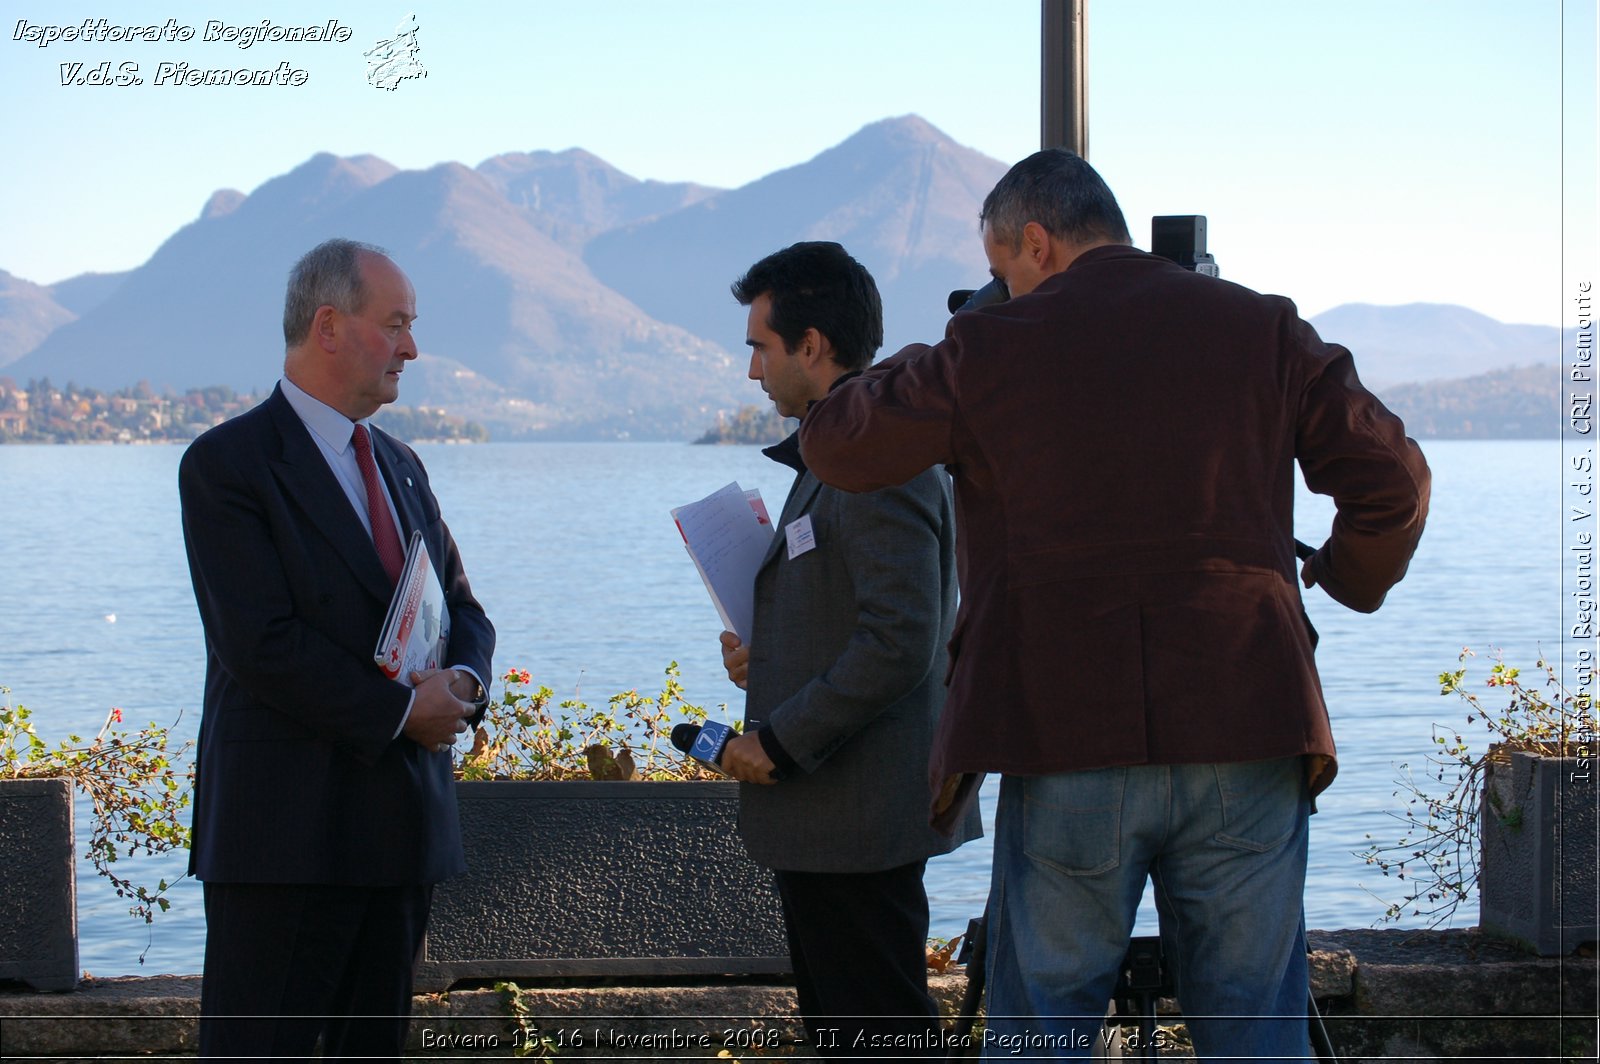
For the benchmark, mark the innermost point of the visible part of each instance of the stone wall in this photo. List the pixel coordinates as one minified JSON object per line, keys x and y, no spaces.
{"x":1385,"y":995}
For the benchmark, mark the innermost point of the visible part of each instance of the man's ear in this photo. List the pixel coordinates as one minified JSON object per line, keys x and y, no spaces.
{"x":813,"y":348}
{"x":325,"y":327}
{"x":1035,"y":243}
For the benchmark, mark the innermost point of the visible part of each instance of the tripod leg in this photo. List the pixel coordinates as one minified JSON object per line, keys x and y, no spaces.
{"x":977,"y":973}
{"x":1147,"y":1028}
{"x":1321,"y":1044}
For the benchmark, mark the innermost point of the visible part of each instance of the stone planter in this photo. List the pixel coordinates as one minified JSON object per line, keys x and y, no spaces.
{"x":1538,"y":870}
{"x":587,"y":879}
{"x":38,"y":882}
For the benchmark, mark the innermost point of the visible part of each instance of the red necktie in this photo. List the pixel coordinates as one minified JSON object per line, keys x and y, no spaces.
{"x":384,"y":536}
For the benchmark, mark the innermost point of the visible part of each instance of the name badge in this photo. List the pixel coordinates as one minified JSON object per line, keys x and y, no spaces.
{"x":801,"y":537}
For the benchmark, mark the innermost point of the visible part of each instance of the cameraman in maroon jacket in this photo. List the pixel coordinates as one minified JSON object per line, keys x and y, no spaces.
{"x":1131,"y":652}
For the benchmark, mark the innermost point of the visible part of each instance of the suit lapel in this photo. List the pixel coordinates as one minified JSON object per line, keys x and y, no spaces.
{"x":805,"y":489}
{"x":305,"y":477}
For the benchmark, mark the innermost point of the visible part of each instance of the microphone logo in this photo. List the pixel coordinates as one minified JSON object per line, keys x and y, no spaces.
{"x":703,"y":742}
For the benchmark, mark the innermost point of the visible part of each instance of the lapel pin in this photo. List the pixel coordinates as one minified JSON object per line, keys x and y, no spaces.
{"x":408,"y":482}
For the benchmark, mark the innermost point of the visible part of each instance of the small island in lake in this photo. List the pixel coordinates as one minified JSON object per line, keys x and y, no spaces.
{"x":749,"y":424}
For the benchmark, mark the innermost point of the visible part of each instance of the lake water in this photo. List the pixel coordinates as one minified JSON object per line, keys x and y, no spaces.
{"x":571,"y":551}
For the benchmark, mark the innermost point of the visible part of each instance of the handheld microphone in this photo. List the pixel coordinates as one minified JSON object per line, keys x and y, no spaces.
{"x":703,"y":742}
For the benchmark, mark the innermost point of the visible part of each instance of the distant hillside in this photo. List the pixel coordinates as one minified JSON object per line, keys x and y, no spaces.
{"x":201,"y":311}
{"x":1521,"y":403}
{"x":572,"y":195}
{"x":550,"y":349}
{"x":28,"y":315}
{"x":86,"y":291}
{"x":899,"y":194}
{"x":1433,"y":341}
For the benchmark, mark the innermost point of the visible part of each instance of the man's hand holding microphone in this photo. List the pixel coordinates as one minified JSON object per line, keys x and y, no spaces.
{"x":715,"y":745}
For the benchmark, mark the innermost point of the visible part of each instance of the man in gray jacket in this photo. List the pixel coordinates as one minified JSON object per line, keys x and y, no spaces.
{"x":845,"y":678}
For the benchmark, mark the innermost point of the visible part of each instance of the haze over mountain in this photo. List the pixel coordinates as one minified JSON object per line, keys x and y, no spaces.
{"x":1434,"y":341}
{"x":86,"y":291}
{"x":899,"y":194}
{"x":560,"y":297}
{"x":1519,"y":403}
{"x":28,"y":314}
{"x":572,"y":195}
{"x":506,"y":315}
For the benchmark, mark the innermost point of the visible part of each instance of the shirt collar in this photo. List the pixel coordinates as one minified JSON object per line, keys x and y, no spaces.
{"x":333,"y":427}
{"x":787,"y":452}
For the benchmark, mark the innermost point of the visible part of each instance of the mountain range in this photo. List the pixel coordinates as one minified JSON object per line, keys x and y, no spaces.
{"x":562,"y":298}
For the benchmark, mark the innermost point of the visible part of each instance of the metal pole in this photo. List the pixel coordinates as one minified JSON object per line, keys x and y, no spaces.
{"x":1063,"y":83}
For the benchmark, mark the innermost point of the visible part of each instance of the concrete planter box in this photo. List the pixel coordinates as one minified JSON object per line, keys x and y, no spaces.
{"x":1538,"y":872}
{"x":586,"y":879}
{"x":38,"y":884}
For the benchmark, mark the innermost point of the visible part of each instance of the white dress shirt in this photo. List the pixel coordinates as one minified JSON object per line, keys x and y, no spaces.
{"x":332,"y":432}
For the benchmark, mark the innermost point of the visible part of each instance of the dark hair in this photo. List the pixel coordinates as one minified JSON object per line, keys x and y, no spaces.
{"x":327,"y":275}
{"x":1060,"y":190}
{"x":817,"y":285}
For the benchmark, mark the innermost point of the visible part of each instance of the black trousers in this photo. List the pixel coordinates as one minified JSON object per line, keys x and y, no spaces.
{"x":858,"y":942}
{"x":286,"y":964}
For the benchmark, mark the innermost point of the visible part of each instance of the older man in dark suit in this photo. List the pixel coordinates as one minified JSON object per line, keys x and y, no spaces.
{"x":1132,"y":654}
{"x":325,"y":807}
{"x":845,"y":674}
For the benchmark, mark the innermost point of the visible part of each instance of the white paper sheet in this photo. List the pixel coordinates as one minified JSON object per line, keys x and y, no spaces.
{"x":727,"y":535}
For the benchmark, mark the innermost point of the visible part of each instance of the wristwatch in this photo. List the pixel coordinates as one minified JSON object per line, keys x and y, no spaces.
{"x":480,"y":697}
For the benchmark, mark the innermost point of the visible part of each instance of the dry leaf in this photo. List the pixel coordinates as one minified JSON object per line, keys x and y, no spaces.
{"x":626,"y":770}
{"x":940,"y":959}
{"x":602,"y":766}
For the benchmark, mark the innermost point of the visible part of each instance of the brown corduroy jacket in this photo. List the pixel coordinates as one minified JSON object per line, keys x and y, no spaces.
{"x":1123,"y":442}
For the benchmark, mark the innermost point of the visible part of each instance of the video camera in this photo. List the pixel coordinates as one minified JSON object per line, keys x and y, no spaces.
{"x":1179,"y":237}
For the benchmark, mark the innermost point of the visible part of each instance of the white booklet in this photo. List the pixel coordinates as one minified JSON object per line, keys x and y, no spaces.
{"x":727,"y":534}
{"x":417,"y":627}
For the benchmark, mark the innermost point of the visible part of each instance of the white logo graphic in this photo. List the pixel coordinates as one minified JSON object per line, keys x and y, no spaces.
{"x":389,"y":62}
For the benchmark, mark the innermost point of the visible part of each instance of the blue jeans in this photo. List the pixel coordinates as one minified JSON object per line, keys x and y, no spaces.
{"x":1225,"y":845}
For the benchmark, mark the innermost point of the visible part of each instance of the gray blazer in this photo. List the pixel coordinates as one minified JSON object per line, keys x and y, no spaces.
{"x":847,"y":666}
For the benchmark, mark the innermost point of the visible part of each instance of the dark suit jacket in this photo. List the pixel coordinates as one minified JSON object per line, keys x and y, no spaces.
{"x":299,"y":778}
{"x":847,"y":670}
{"x":1123,"y":442}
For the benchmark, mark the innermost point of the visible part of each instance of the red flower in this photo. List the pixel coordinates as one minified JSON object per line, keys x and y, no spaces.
{"x":116,"y":715}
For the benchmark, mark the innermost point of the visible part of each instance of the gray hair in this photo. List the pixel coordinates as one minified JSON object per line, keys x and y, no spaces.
{"x":327,"y":275}
{"x":1059,"y":190}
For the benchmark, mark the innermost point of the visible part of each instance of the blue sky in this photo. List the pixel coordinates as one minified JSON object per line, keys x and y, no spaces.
{"x":1382,"y":151}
